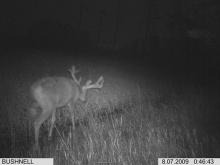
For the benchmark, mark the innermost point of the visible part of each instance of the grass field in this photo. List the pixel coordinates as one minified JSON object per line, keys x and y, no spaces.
{"x":141,"y":114}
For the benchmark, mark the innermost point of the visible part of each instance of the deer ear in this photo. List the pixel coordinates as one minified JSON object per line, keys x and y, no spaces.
{"x":88,"y":82}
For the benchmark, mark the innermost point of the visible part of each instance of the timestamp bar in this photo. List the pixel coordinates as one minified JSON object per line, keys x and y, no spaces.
{"x":189,"y":161}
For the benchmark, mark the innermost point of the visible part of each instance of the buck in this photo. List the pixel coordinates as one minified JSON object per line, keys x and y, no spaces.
{"x":51,"y":93}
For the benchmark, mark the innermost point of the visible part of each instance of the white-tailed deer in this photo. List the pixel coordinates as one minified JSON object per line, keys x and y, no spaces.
{"x":51,"y":93}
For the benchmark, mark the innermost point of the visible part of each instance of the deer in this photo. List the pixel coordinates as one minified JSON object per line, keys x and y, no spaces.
{"x":51,"y":93}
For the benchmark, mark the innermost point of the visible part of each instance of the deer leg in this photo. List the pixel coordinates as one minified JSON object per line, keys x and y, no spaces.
{"x":52,"y":123}
{"x":71,"y":108}
{"x":43,"y":116}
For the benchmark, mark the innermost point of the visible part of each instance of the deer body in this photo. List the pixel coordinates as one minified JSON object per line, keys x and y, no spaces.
{"x":60,"y":89}
{"x":51,"y":93}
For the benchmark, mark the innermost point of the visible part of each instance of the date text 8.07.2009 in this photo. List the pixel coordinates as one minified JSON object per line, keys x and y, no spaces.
{"x":189,"y":161}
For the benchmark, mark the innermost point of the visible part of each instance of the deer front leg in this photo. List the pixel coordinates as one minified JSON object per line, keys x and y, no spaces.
{"x":52,"y":123}
{"x":71,"y":110}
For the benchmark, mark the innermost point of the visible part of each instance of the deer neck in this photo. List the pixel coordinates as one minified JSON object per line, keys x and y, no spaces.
{"x":83,"y":94}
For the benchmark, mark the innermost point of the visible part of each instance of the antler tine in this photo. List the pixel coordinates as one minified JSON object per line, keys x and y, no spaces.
{"x":100,"y":80}
{"x":98,"y":84}
{"x":73,"y":71}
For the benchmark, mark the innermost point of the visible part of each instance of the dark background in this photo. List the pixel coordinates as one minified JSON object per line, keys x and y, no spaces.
{"x":180,"y":36}
{"x":175,"y":36}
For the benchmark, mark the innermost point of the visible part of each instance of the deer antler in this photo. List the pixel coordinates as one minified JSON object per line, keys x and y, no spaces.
{"x":73,"y":71}
{"x":98,"y":84}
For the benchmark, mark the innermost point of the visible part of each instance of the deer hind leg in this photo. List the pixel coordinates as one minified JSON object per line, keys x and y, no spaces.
{"x":52,"y":123}
{"x":71,"y":109}
{"x":43,"y":116}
